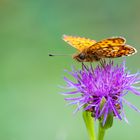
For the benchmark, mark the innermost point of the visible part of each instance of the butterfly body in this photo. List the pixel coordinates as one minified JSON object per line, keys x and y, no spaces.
{"x":85,"y":56}
{"x":90,"y":50}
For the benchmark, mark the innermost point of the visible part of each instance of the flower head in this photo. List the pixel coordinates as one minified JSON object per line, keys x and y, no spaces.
{"x":102,"y":90}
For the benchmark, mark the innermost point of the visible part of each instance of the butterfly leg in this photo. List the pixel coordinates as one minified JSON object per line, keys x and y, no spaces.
{"x":84,"y":66}
{"x":94,"y":57}
{"x":102,"y":62}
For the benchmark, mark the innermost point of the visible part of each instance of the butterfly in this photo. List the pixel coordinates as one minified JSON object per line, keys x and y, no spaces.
{"x":90,"y":50}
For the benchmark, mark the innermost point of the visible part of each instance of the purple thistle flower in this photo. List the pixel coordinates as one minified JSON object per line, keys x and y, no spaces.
{"x":102,"y":90}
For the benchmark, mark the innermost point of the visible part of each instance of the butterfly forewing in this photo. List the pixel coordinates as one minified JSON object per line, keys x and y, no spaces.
{"x":79,"y":43}
{"x":108,"y":42}
{"x":113,"y":41}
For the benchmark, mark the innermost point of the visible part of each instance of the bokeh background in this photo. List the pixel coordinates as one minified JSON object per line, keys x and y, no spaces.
{"x":31,"y":107}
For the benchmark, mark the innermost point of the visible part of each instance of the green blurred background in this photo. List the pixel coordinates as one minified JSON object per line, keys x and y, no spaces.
{"x":30,"y":105}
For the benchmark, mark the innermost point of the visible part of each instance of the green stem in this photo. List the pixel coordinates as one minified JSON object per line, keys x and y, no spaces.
{"x":89,"y":122}
{"x":101,"y":132}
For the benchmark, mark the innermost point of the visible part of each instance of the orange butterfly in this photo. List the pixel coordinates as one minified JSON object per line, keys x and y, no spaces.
{"x":90,"y":50}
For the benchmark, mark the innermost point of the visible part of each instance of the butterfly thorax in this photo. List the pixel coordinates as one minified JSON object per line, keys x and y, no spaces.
{"x":86,"y":56}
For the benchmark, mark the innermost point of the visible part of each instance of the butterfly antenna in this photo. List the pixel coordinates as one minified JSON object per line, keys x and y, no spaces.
{"x":59,"y":54}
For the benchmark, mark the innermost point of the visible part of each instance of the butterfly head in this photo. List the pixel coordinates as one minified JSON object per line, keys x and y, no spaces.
{"x":80,"y":57}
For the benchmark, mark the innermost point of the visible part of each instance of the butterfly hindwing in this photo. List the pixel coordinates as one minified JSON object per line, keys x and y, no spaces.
{"x":115,"y":51}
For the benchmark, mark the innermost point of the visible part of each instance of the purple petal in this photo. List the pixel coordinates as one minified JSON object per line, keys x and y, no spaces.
{"x":105,"y":115}
{"x":115,"y":111}
{"x":130,"y":105}
{"x":134,"y":91}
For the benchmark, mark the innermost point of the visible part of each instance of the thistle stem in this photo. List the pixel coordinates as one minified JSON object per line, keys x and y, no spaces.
{"x":101,"y":132}
{"x":89,"y":122}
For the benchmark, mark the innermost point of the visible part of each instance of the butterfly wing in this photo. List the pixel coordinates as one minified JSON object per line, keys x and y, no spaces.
{"x":112,"y":47}
{"x":80,"y":43}
{"x":108,"y":42}
{"x":116,"y":51}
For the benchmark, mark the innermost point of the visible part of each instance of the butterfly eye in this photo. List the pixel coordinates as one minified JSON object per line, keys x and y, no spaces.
{"x":82,"y":56}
